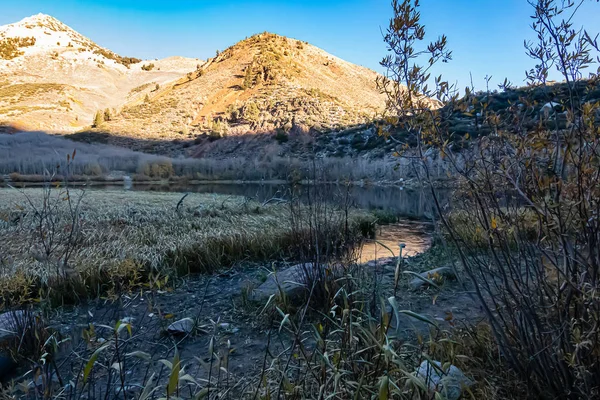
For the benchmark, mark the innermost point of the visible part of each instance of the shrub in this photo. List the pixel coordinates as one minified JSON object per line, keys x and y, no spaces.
{"x":126,"y":61}
{"x":98,"y":119}
{"x":214,"y":135}
{"x":249,"y":78}
{"x":220,"y":126}
{"x":250,"y":112}
{"x":92,"y":170}
{"x":10,"y":47}
{"x":158,"y":169}
{"x":148,"y":67}
{"x":526,"y":200}
{"x":233,"y":113}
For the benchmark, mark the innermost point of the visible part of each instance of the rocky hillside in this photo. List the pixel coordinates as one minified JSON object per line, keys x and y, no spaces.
{"x":54,"y":79}
{"x":265,"y":83}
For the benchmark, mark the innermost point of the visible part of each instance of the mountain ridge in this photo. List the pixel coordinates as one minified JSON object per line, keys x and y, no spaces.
{"x":56,"y":80}
{"x":260,"y":84}
{"x":52,"y":78}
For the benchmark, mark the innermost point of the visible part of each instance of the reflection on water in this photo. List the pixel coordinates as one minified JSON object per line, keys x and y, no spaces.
{"x":416,"y":237}
{"x":414,"y":205}
{"x":409,"y":203}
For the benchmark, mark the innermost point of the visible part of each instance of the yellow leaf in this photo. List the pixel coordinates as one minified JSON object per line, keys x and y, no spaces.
{"x":494,"y":223}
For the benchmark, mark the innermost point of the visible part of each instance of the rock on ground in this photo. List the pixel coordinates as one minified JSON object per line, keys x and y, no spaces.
{"x":184,"y":326}
{"x":449,"y":384}
{"x":290,"y":281}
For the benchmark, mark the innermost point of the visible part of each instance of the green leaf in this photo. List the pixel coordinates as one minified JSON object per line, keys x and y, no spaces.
{"x":90,"y":364}
{"x":148,"y":388}
{"x":189,"y":378}
{"x":386,"y":247}
{"x":286,"y":318}
{"x":394,"y":305}
{"x":266,"y":305}
{"x":211,"y":347}
{"x":417,"y":382}
{"x":174,"y":378}
{"x":201,"y":394}
{"x":121,"y":325}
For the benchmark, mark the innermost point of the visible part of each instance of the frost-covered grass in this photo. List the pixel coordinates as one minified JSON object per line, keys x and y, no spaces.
{"x":123,"y":239}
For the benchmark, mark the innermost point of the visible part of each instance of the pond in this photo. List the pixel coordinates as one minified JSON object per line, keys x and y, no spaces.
{"x":406,"y":210}
{"x":413,"y":208}
{"x":409,"y":203}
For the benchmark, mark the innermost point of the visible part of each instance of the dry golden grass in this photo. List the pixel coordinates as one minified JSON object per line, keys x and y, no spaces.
{"x":10,"y":47}
{"x":23,"y":91}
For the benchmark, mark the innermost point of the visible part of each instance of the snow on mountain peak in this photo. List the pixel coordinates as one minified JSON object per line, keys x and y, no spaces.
{"x":42,"y":33}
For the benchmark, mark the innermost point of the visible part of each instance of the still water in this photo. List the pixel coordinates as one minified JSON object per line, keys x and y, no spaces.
{"x":415,"y":204}
{"x":413,"y":208}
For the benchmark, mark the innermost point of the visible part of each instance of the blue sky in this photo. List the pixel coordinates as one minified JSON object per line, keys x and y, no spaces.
{"x":486,"y":36}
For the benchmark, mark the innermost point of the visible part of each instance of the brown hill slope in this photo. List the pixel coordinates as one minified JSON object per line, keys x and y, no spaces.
{"x":54,"y":79}
{"x":261,"y":84}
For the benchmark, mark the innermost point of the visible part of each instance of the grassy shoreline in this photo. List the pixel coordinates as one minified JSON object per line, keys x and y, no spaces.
{"x":124,"y":240}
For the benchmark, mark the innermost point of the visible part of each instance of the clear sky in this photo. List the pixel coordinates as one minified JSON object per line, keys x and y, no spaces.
{"x":486,"y":36}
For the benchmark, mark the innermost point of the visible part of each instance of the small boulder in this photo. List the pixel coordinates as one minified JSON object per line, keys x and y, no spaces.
{"x":431,"y":275}
{"x":184,"y":326}
{"x":289,"y":280}
{"x":449,"y":383}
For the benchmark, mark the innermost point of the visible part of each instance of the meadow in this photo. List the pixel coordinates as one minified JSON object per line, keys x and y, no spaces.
{"x":89,"y":243}
{"x":127,"y":262}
